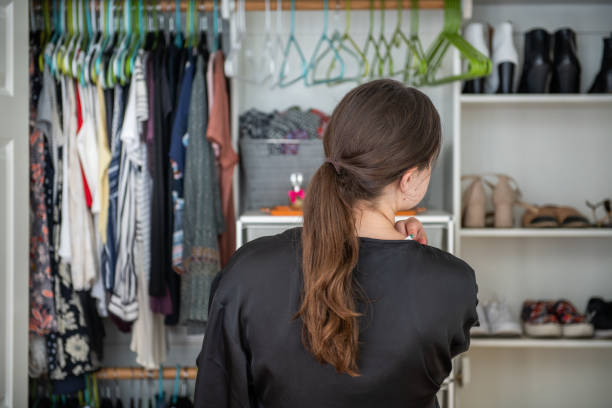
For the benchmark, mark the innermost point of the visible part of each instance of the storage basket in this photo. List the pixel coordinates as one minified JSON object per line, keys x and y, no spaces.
{"x":266,"y":166}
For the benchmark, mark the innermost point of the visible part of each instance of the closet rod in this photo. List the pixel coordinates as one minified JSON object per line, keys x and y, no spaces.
{"x":139,"y":373}
{"x":260,"y":5}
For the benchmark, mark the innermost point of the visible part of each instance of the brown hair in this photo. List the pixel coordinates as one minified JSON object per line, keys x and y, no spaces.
{"x":376,"y":133}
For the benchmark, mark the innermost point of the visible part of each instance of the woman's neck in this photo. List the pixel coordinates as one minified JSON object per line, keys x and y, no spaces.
{"x":376,"y":223}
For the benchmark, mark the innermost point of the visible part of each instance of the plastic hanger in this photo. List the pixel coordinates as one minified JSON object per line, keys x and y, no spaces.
{"x":371,"y":42}
{"x":215,"y":43}
{"x":97,"y":73}
{"x":177,"y":380}
{"x":68,"y":56}
{"x":117,"y":66}
{"x":90,"y":17}
{"x":278,"y":47}
{"x":178,"y":33}
{"x":231,"y":60}
{"x":51,"y":45}
{"x":310,"y":79}
{"x":352,"y":49}
{"x":478,"y":64}
{"x":78,"y":53}
{"x":45,"y":36}
{"x":415,"y":56}
{"x":88,"y":71}
{"x":138,"y":40}
{"x":113,"y":47}
{"x":382,"y":59}
{"x":269,"y":52}
{"x":283,"y":81}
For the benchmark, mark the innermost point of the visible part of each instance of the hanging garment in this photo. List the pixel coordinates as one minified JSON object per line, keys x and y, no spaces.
{"x":104,"y":159}
{"x":219,"y":132}
{"x":178,"y":141}
{"x":83,"y":263}
{"x":203,"y":219}
{"x":42,"y":311}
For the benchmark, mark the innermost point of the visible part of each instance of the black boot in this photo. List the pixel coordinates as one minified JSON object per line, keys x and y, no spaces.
{"x":603,"y":80}
{"x":566,"y":71}
{"x":537,"y":65}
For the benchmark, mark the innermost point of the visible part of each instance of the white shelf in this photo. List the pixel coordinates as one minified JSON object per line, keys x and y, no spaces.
{"x":539,"y":343}
{"x":537,"y":232}
{"x":543,"y":99}
{"x":259,"y":218}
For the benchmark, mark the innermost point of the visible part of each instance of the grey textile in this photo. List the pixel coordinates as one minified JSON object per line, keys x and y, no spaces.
{"x":202,"y":217}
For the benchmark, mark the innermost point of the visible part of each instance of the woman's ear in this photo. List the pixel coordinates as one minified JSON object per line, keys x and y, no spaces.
{"x":406,"y":179}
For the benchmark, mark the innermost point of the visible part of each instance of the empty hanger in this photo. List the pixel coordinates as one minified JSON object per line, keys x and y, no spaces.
{"x":383,"y":55}
{"x":283,"y":81}
{"x":415,"y":56}
{"x":309,"y":78}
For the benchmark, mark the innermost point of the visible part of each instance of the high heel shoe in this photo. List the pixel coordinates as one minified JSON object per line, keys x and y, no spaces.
{"x":537,"y":65}
{"x":473,"y":203}
{"x":474,"y":34}
{"x":603,"y":80}
{"x":505,"y":61}
{"x":504,"y":198}
{"x":566,"y":69}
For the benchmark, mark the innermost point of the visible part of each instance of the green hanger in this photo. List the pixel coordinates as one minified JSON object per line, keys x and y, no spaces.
{"x":45,"y":34}
{"x":415,"y":56}
{"x":137,"y":41}
{"x":118,"y":71}
{"x":478,"y":64}
{"x":382,"y":59}
{"x":282,"y":80}
{"x":371,"y":41}
{"x":309,"y":78}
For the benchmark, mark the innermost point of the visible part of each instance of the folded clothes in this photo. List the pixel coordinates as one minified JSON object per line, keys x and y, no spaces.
{"x":289,"y":124}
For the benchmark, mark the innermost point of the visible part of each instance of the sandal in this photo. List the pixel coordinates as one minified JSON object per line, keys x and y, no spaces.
{"x":539,"y":217}
{"x":473,"y":203}
{"x":569,"y":217}
{"x":606,"y":220}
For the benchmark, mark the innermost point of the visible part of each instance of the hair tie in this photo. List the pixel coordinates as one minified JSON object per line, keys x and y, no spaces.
{"x":334,"y":163}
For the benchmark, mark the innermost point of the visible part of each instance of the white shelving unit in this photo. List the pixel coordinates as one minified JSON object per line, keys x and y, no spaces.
{"x":556,"y":147}
{"x":541,"y":343}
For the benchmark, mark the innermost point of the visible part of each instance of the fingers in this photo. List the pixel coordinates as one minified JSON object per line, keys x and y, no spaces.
{"x":402,"y":227}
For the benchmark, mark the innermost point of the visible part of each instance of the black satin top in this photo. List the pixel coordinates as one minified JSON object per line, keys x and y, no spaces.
{"x":422,"y":304}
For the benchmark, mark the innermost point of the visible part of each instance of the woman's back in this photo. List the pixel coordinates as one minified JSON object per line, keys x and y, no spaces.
{"x":418,"y":304}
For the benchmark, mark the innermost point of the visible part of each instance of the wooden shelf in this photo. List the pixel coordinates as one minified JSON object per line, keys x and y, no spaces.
{"x":542,"y":99}
{"x":536,"y":232}
{"x":259,"y":218}
{"x":259,"y":5}
{"x":539,"y":343}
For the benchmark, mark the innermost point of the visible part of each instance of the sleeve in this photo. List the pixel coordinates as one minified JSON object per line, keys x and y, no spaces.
{"x":223,"y":379}
{"x":460,"y":339}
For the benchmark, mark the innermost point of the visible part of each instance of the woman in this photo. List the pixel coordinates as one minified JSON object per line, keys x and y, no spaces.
{"x":345,"y":312}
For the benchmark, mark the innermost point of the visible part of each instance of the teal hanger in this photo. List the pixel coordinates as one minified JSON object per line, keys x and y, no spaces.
{"x":177,"y":381}
{"x":51,"y":45}
{"x":478,"y":64}
{"x":309,"y":78}
{"x":178,"y":37}
{"x":283,"y":81}
{"x":215,"y":44}
{"x":382,"y":59}
{"x":97,"y":72}
{"x":138,"y":40}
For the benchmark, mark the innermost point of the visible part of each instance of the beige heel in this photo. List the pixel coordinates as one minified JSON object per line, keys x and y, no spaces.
{"x":504,"y":198}
{"x":474,"y":203}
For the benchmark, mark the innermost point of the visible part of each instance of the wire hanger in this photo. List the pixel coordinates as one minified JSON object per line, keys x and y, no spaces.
{"x":283,"y":81}
{"x":310,"y":79}
{"x":478,"y":64}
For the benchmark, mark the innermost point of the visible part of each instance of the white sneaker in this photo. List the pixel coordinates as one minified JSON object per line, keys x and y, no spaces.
{"x":483,"y":329}
{"x":501,"y":321}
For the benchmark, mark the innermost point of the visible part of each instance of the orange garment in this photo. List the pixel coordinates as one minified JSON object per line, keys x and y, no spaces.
{"x":219,"y":132}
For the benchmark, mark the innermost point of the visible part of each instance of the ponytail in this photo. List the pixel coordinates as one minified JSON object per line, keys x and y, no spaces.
{"x":330,"y":249}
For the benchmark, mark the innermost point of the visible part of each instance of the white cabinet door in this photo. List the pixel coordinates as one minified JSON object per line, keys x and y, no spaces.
{"x":14,"y":203}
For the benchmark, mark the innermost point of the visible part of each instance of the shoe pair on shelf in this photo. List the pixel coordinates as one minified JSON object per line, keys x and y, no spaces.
{"x":503,"y":56}
{"x":600,"y":316}
{"x":553,"y":216}
{"x":496,"y":319}
{"x":599,"y":220}
{"x":554,"y":319}
{"x":562,"y":72}
{"x":603,"y":79}
{"x":505,"y":194}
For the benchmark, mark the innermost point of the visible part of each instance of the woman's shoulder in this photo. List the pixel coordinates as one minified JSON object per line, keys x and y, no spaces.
{"x":259,"y":261}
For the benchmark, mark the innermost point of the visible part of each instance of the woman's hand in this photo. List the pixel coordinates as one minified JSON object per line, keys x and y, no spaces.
{"x":413,"y":228}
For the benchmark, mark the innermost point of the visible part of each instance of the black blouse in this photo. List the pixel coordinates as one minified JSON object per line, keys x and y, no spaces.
{"x":422,"y":304}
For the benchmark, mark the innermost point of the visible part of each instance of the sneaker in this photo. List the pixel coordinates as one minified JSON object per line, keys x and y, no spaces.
{"x":600,"y":315}
{"x":573,"y":324}
{"x":501,"y":321}
{"x":482,"y":329}
{"x":538,"y":321}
